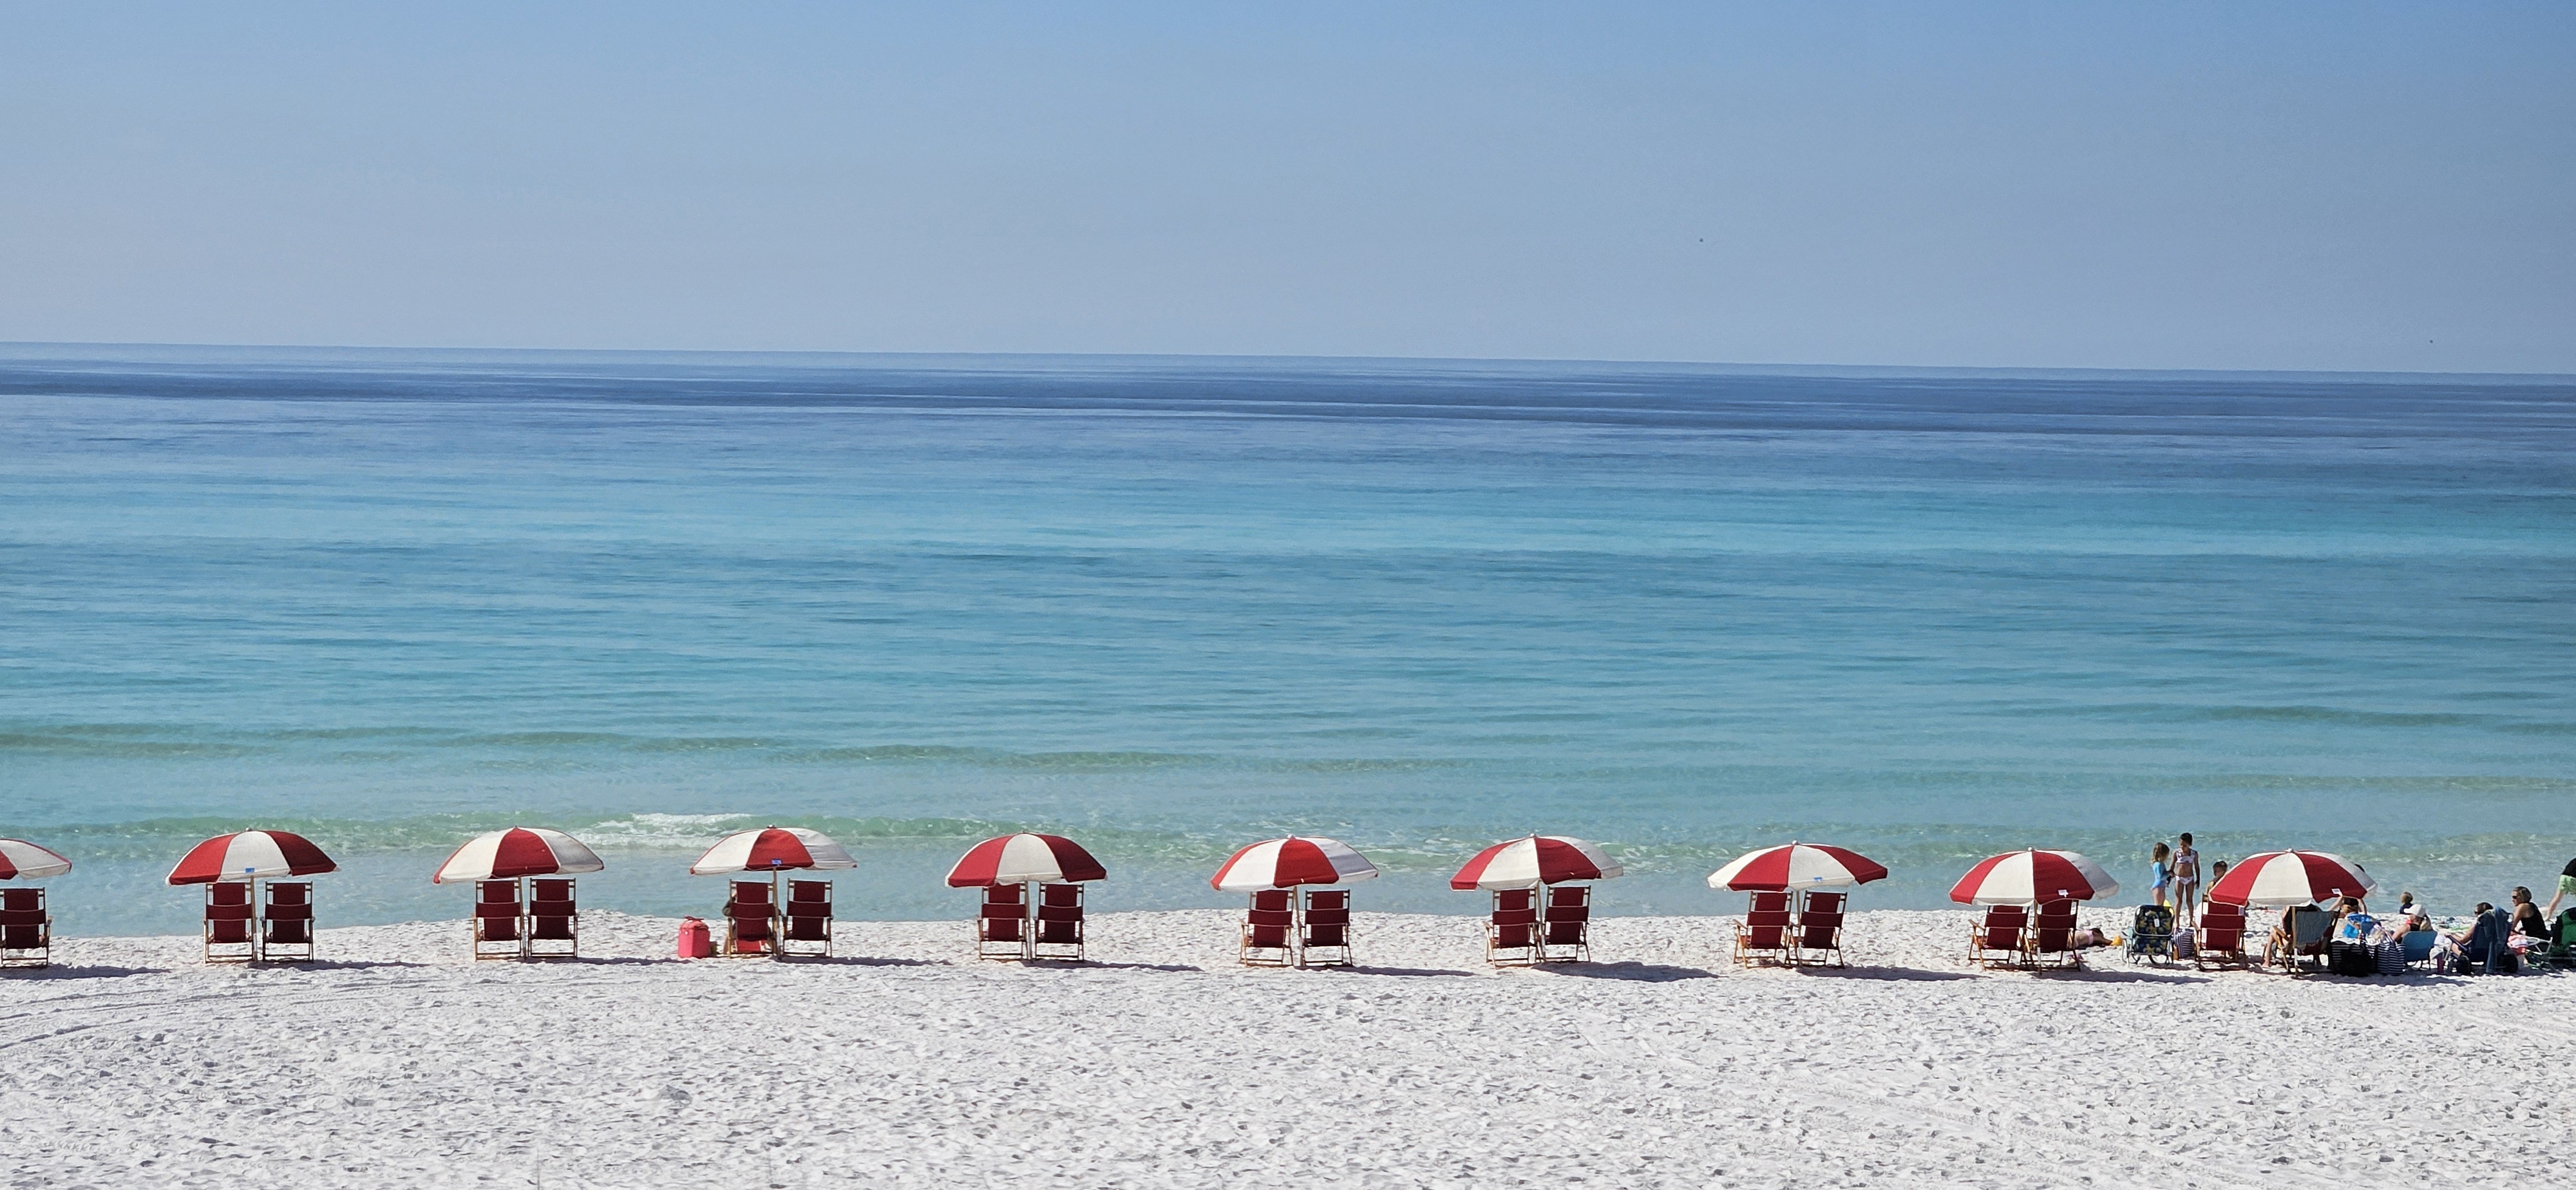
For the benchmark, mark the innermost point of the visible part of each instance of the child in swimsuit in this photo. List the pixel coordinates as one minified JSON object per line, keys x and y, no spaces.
{"x":2163,"y":871}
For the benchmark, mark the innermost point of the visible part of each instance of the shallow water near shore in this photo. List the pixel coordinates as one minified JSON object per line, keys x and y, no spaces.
{"x":1170,"y":606}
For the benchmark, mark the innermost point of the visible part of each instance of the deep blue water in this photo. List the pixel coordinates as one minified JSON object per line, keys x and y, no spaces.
{"x":1170,"y":606}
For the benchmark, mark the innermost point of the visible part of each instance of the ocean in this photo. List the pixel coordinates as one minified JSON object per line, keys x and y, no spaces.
{"x":1170,"y":606}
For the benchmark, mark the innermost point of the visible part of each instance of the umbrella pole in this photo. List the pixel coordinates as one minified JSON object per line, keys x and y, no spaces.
{"x":777,"y":949}
{"x":258,"y":924}
{"x":1028,"y":921}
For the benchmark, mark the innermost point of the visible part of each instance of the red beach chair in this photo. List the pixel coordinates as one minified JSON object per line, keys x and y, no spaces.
{"x":554,"y":921}
{"x":2052,"y":934}
{"x":498,"y":920}
{"x":1269,"y":930}
{"x":751,"y":920}
{"x":1763,"y":935}
{"x":1565,"y":931}
{"x":287,"y":922}
{"x":2221,"y":938}
{"x":229,"y":924}
{"x":2001,"y":939}
{"x":1002,"y":926}
{"x":807,"y":920}
{"x":1819,"y":929}
{"x":1327,"y":928}
{"x":1512,"y":935}
{"x":1059,"y":925}
{"x":26,"y":930}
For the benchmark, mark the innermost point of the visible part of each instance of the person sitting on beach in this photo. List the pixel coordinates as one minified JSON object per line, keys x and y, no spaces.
{"x":2528,"y":921}
{"x":2161,"y":872}
{"x":2566,"y":885}
{"x":2411,"y":916}
{"x":2484,"y":941}
{"x":2217,"y":872}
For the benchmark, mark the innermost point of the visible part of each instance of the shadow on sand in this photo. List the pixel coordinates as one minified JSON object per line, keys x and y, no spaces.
{"x":77,"y":971}
{"x":1636,"y":972}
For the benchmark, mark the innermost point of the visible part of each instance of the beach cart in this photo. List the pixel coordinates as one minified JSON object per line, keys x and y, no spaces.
{"x":1542,"y":897}
{"x":1032,"y":902}
{"x":753,"y":909}
{"x":1272,"y":872}
{"x":506,"y":867}
{"x":1797,"y":901}
{"x":2047,"y":886}
{"x":26,"y":926}
{"x":235,"y":869}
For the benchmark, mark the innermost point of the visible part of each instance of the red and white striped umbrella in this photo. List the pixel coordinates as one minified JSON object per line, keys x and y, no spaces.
{"x":22,"y":859}
{"x":2031,"y":876}
{"x":2278,"y":878}
{"x":1023,"y":858}
{"x":251,"y":855}
{"x":518,"y":851}
{"x":1286,"y":863}
{"x":773,"y":849}
{"x":1535,"y":860}
{"x":1797,"y":865}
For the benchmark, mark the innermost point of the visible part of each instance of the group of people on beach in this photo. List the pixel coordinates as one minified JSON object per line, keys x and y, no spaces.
{"x":2174,"y":874}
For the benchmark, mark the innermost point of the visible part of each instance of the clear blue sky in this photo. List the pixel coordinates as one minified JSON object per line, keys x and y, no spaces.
{"x":2336,"y":185}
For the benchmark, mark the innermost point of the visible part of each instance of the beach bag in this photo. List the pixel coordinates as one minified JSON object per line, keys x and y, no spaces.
{"x":2392,"y":958}
{"x":2351,"y":958}
{"x":695,"y":940}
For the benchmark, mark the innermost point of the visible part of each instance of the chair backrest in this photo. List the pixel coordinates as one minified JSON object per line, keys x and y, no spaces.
{"x":1570,"y":932}
{"x":809,"y":898}
{"x":1569,"y":903}
{"x":1327,"y":933}
{"x":1513,"y":900}
{"x":22,"y":918}
{"x":1823,"y":902}
{"x":1271,"y":917}
{"x":549,"y":892}
{"x":2309,"y":925}
{"x":1762,"y":933}
{"x":289,"y":900}
{"x":2052,"y":939}
{"x":1272,"y":900}
{"x":2006,"y":916}
{"x":2222,"y":928}
{"x":227,"y":894}
{"x":1328,"y":899}
{"x":1060,"y":896}
{"x":1001,"y":923}
{"x":1514,"y":935}
{"x":749,"y":894}
{"x":2419,"y":945}
{"x":22,"y":899}
{"x":1005,"y":894}
{"x":496,"y":898}
{"x":2001,"y":937}
{"x":2055,"y":913}
{"x":1767,"y":902}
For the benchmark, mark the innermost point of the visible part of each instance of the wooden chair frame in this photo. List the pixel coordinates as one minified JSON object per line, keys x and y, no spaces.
{"x":2221,"y":944}
{"x":1270,"y":909}
{"x":228,"y":902}
{"x":1324,"y":916}
{"x":1819,"y":928}
{"x":1762,"y":937}
{"x":996,"y":929}
{"x":2052,"y":937}
{"x":807,"y":934}
{"x":1565,"y":924}
{"x":286,"y":912}
{"x":765,"y":946}
{"x":487,"y":922}
{"x":1988,"y":945}
{"x":561,"y":925}
{"x":1513,"y":935}
{"x":1056,"y":915}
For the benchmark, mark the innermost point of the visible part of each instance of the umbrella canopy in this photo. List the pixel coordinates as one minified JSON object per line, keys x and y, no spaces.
{"x":1022,"y":858}
{"x":251,"y":855}
{"x":1286,"y":863}
{"x":2029,"y":877}
{"x":20,"y":858}
{"x":773,"y":849}
{"x":2278,"y":878}
{"x":518,"y":851}
{"x":1535,"y":860}
{"x":1798,"y":865}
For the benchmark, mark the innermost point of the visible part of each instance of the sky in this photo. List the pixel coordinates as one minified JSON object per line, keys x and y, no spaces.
{"x":2331,"y":186}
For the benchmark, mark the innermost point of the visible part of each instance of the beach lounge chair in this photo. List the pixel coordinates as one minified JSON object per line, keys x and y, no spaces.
{"x":2000,"y":938}
{"x":805,"y":922}
{"x":1819,"y":930}
{"x":751,"y":920}
{"x":1002,"y":925}
{"x":2417,"y":946}
{"x":1764,"y":934}
{"x":2301,"y":934}
{"x":286,"y":923}
{"x":1565,"y":929}
{"x":1060,"y":923}
{"x":1512,"y":934}
{"x":1269,"y":930}
{"x":231,"y":927}
{"x":26,"y":930}
{"x":2489,"y":950}
{"x":2052,"y":935}
{"x":1324,"y":937}
{"x":2221,"y":939}
{"x":554,"y":921}
{"x":499,"y":921}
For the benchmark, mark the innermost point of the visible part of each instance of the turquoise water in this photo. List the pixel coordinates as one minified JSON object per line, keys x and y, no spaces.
{"x":1171,"y":606}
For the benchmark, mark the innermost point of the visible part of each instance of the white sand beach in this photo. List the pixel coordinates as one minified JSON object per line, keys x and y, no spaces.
{"x":904,"y":1063}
